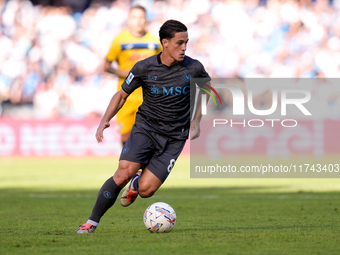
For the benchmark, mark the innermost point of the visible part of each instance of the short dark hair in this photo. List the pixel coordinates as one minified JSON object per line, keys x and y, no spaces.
{"x":138,"y":7}
{"x":169,"y":28}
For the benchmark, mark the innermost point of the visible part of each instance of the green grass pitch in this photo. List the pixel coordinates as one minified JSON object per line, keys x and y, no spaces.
{"x":44,"y":200}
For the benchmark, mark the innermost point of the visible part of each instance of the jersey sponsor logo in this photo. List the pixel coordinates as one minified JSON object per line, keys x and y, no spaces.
{"x":129,"y":78}
{"x":175,"y":91}
{"x":152,"y":78}
{"x":127,"y":46}
{"x":155,"y":91}
{"x":186,"y":77}
{"x":136,"y":56}
{"x":153,"y":46}
{"x":148,"y":45}
{"x":169,"y":91}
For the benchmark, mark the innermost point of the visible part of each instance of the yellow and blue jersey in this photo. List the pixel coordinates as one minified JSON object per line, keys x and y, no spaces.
{"x":127,"y":50}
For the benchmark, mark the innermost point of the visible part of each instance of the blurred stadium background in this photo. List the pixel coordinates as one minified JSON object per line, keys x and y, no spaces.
{"x":53,"y":90}
{"x":53,"y":93}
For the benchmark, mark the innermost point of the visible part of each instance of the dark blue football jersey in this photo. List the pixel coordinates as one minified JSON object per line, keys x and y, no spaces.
{"x":166,"y":94}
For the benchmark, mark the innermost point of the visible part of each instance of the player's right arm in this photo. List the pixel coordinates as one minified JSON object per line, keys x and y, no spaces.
{"x":117,"y":102}
{"x":132,"y":82}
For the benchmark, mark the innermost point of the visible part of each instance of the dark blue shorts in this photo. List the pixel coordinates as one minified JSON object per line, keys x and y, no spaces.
{"x":156,"y":152}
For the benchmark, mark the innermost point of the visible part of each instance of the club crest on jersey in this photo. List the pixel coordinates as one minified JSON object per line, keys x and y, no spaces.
{"x":186,"y":77}
{"x":154,"y":91}
{"x":129,"y":78}
{"x":126,"y":150}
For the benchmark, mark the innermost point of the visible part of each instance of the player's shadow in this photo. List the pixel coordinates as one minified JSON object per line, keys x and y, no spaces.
{"x":234,"y":229}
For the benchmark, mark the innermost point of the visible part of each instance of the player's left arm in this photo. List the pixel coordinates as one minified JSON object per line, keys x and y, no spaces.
{"x":195,"y":129}
{"x":197,"y":115}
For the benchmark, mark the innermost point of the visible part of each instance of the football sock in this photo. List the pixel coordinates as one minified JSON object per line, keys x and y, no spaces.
{"x":106,"y":198}
{"x":135,"y":183}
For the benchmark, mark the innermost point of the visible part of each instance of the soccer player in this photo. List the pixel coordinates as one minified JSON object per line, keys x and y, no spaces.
{"x":162,"y":122}
{"x":129,"y":47}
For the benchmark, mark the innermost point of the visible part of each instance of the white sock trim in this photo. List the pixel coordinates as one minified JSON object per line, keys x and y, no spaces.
{"x":93,"y":223}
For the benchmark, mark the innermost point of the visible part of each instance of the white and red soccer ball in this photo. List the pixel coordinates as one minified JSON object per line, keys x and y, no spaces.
{"x":159,"y":217}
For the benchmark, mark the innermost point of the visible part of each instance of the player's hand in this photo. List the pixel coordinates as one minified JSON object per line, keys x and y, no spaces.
{"x":194,"y":130}
{"x":100,"y":130}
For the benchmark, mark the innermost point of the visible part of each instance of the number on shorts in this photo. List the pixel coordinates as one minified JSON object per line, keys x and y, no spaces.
{"x":171,"y":165}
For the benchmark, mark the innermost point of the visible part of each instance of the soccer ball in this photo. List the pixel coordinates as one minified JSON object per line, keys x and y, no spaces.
{"x":159,"y":217}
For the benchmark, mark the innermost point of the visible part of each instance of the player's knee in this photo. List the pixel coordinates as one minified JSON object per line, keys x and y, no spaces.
{"x":146,"y":191}
{"x":146,"y":194}
{"x":122,"y":176}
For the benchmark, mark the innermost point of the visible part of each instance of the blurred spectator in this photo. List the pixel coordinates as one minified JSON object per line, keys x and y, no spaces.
{"x":46,"y":100}
{"x":52,"y":54}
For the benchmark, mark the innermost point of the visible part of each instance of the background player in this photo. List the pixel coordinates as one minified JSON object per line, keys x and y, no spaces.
{"x":129,"y":47}
{"x":162,"y":121}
